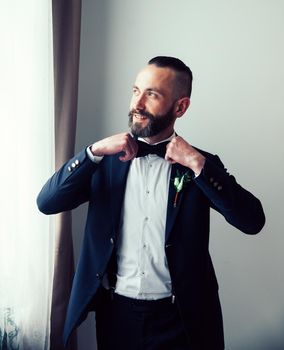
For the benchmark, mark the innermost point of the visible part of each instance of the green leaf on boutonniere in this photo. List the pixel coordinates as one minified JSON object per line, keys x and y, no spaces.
{"x":180,"y":180}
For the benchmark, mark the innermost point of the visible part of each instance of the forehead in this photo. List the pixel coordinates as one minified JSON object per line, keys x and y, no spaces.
{"x":153,"y":77}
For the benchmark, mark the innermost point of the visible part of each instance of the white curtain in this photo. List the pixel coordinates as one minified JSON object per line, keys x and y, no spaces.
{"x":26,"y":158}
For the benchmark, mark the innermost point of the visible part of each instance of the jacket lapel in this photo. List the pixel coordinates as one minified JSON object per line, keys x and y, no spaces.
{"x":171,"y":209}
{"x":118,"y":177}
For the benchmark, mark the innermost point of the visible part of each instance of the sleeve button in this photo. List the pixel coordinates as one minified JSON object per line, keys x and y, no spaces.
{"x":219,"y":188}
{"x":69,"y":169}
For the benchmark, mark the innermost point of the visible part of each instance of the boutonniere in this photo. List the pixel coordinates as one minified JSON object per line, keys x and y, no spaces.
{"x":180,"y":181}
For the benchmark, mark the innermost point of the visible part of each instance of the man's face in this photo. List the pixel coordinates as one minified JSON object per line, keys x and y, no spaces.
{"x":152,"y":104}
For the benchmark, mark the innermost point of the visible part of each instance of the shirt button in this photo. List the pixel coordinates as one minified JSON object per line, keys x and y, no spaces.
{"x":146,"y":219}
{"x":147,"y":191}
{"x":144,"y":246}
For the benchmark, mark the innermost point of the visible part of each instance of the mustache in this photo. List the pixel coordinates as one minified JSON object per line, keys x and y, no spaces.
{"x":143,"y":113}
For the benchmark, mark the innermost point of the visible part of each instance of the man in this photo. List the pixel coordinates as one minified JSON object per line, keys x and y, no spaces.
{"x":145,"y":267}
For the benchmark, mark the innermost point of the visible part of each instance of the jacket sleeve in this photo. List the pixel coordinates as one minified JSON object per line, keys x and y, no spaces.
{"x":68,"y":187}
{"x":239,"y":207}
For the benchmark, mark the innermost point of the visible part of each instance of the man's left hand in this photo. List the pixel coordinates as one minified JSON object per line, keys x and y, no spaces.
{"x":179,"y":151}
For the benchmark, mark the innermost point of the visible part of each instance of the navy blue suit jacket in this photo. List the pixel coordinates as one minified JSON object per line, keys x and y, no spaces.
{"x":186,"y":237}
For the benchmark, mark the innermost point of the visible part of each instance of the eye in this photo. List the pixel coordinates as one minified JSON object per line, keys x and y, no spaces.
{"x":152,"y":94}
{"x":135,"y":91}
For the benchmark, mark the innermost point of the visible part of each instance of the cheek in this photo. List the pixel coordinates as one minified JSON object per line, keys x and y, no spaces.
{"x":153,"y":106}
{"x":131,"y":103}
{"x":158,"y":108}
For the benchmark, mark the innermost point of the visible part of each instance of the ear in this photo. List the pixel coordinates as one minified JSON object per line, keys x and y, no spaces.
{"x":181,"y":106}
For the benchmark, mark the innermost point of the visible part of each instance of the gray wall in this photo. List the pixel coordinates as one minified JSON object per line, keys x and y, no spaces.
{"x":235,"y":49}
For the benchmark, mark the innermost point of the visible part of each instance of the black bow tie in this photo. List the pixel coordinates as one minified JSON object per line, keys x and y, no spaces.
{"x":144,"y":149}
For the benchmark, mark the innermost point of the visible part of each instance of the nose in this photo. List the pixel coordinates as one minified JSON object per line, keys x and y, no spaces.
{"x":138,"y":102}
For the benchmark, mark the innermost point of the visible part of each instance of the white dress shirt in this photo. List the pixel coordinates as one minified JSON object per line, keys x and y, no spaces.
{"x":142,"y":265}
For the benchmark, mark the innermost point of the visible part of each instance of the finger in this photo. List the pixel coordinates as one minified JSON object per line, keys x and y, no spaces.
{"x":170,"y":160}
{"x":126,"y":156}
{"x":123,"y":158}
{"x":133,"y":147}
{"x":129,"y":149}
{"x":168,"y":157}
{"x":174,"y":140}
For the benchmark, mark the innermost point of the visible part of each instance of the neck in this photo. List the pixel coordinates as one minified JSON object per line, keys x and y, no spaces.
{"x":163,"y":135}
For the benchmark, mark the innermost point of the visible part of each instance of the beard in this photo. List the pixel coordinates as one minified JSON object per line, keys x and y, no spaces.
{"x":156,"y":123}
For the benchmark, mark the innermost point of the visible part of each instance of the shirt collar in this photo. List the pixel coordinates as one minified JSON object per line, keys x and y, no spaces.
{"x":167,"y":139}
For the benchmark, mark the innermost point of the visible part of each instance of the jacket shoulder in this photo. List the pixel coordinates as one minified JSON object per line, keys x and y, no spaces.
{"x":207,"y":155}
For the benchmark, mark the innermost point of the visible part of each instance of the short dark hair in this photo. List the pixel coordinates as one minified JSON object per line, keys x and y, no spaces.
{"x":183,"y":72}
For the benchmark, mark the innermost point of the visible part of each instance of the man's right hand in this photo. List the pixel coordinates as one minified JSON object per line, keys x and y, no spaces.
{"x":123,"y":142}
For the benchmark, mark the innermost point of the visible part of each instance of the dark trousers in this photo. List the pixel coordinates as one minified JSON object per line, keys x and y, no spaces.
{"x":129,"y":324}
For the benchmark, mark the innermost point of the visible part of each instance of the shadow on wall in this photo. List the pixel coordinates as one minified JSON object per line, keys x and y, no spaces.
{"x":267,"y":340}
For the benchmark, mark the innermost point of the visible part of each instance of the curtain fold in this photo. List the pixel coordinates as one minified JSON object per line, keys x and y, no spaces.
{"x":27,"y":145}
{"x":66,"y":47}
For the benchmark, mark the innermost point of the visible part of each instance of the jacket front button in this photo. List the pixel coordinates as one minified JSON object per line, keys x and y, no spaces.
{"x":111,"y":240}
{"x":98,"y":275}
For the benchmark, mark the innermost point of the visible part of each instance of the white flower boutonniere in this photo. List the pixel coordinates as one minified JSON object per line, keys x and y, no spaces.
{"x":179,"y":182}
